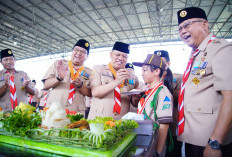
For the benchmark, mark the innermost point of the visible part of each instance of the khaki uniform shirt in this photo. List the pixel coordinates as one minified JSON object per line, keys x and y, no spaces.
{"x":164,"y":107}
{"x":5,"y":102}
{"x":60,"y":93}
{"x":104,"y":106}
{"x":177,"y":80}
{"x":202,"y":98}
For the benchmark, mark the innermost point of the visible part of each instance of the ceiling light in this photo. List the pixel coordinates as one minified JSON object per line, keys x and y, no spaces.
{"x":15,"y":43}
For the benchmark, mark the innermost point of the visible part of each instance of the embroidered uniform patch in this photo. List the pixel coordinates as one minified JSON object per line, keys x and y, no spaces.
{"x":85,"y":75}
{"x":166,"y":99}
{"x":167,"y":106}
{"x":196,"y":81}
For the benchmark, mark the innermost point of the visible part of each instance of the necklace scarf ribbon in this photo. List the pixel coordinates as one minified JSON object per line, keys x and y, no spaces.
{"x":73,"y":77}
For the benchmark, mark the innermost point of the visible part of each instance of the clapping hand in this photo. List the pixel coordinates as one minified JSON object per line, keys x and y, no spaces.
{"x":26,"y":81}
{"x":7,"y":80}
{"x":61,"y":70}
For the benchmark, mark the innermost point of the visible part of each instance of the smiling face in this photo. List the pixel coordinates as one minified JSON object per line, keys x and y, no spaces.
{"x":8,"y":63}
{"x":79,"y":55}
{"x":150,"y":76}
{"x":118,"y":59}
{"x":193,"y":31}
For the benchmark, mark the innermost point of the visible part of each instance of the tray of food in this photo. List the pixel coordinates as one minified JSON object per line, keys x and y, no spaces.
{"x":134,"y":91}
{"x":53,"y":130}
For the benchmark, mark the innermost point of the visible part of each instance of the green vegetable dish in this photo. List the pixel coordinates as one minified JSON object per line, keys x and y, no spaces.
{"x":101,"y":133}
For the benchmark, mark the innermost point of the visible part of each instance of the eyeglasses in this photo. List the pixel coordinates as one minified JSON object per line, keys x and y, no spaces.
{"x":187,"y":25}
{"x":76,"y":50}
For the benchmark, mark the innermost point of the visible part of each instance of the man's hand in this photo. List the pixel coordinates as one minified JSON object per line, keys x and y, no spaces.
{"x":25,"y":81}
{"x":209,"y":152}
{"x":77,"y":83}
{"x":61,"y":70}
{"x":7,"y":80}
{"x":122,"y":74}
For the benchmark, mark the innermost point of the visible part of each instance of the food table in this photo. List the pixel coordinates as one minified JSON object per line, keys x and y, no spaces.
{"x":21,"y":134}
{"x":27,"y":146}
{"x":143,"y":142}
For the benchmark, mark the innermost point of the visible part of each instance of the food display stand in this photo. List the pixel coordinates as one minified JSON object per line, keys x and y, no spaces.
{"x":119,"y":149}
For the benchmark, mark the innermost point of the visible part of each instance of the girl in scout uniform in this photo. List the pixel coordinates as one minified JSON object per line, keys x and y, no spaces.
{"x":156,"y":104}
{"x":175,"y":83}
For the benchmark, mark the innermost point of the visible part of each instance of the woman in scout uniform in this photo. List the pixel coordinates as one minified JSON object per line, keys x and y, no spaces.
{"x":69,"y":80}
{"x":157,"y":103}
{"x":15,"y":85}
{"x":108,"y":82}
{"x":205,"y":99}
{"x":174,"y":89}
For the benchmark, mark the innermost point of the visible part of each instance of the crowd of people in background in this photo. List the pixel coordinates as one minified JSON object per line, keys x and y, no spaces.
{"x":194,"y":108}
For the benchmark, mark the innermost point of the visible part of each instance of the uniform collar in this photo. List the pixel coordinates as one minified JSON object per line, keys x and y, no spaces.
{"x":204,"y":43}
{"x":4,"y":71}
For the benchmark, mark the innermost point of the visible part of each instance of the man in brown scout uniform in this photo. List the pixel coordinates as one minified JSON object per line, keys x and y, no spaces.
{"x":108,"y":82}
{"x":205,"y":99}
{"x":69,"y":80}
{"x":14,"y":84}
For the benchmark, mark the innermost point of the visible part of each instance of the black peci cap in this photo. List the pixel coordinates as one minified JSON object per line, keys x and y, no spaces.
{"x":84,"y":44}
{"x":6,"y":53}
{"x":122,"y":47}
{"x":189,"y":13}
{"x":162,"y":53}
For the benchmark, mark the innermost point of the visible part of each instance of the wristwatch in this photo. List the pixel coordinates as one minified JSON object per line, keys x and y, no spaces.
{"x":58,"y":78}
{"x":214,"y":144}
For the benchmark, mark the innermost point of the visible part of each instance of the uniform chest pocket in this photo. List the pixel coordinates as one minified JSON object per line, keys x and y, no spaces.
{"x":203,"y":108}
{"x":106,"y":78}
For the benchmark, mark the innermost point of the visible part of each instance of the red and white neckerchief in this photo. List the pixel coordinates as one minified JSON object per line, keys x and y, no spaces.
{"x":74,"y":75}
{"x":30,"y":99}
{"x":117,"y":100}
{"x":13,"y":95}
{"x":45,"y":98}
{"x":181,"y":119}
{"x":143,"y":103}
{"x":117,"y":91}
